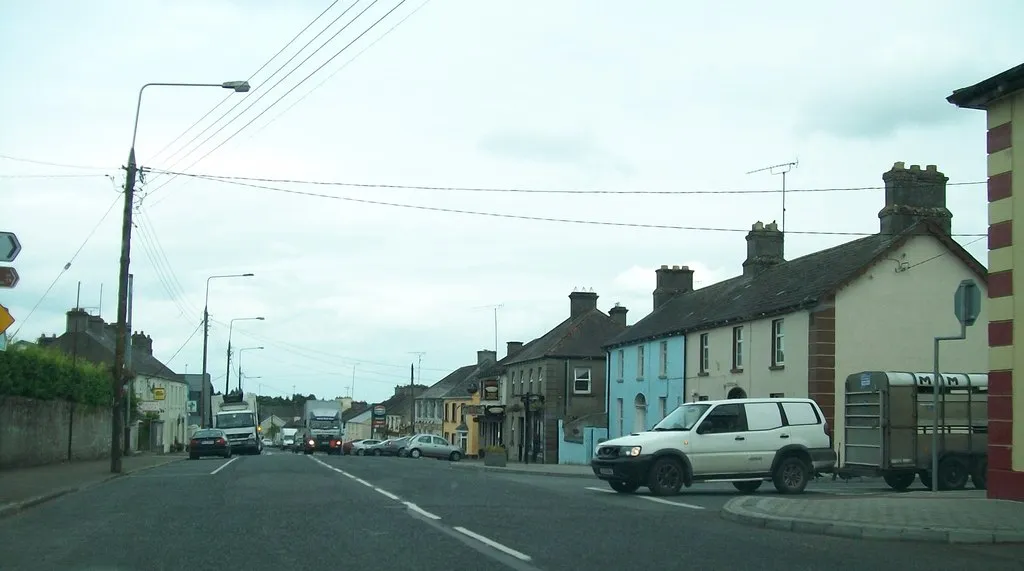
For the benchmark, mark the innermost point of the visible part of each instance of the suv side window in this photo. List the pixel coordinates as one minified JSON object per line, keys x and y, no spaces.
{"x":724,"y":418}
{"x":800,"y":413}
{"x":763,"y":416}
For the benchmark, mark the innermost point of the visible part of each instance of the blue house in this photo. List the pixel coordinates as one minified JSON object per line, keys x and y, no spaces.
{"x":646,"y":369}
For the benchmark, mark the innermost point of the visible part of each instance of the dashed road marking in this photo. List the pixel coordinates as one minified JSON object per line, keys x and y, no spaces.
{"x":224,"y":465}
{"x":651,"y":499}
{"x":386,"y":494}
{"x":491,"y":543}
{"x":421,"y":511}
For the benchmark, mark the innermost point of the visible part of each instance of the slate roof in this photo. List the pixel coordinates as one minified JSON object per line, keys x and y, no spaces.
{"x":98,"y":348}
{"x":575,"y":338}
{"x":476,"y":376}
{"x":358,"y":407}
{"x":787,"y":287}
{"x":983,"y":93}
{"x":441,"y":388}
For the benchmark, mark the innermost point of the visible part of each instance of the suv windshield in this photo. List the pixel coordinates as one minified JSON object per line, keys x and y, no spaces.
{"x":235,"y":420}
{"x":682,"y":418}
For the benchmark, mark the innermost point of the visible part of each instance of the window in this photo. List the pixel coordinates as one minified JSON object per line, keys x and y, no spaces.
{"x":737,"y":348}
{"x":622,"y":364}
{"x":531,"y":380}
{"x":800,"y":413}
{"x":763,"y":416}
{"x":640,"y":362}
{"x":663,"y":406}
{"x":620,"y":411}
{"x":778,"y":344}
{"x":705,"y":353}
{"x":724,"y":418}
{"x":581,"y":384}
{"x":663,"y":359}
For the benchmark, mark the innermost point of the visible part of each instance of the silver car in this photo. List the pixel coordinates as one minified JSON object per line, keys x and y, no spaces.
{"x":433,"y":446}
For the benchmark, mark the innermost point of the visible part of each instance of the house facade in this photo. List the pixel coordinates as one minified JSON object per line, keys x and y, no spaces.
{"x":559,"y":376}
{"x":430,"y":409}
{"x":358,"y":426}
{"x":399,"y":411}
{"x":162,"y":395}
{"x":462,"y":408}
{"x":490,"y":423}
{"x":646,"y":376}
{"x":1002,"y":99}
{"x":798,"y":328}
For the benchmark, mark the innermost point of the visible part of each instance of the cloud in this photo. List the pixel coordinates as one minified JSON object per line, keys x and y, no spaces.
{"x":576,"y":150}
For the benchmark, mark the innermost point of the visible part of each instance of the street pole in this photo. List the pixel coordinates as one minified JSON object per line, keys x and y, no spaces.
{"x":412,"y":399}
{"x":117,"y":380}
{"x":352,"y":387}
{"x":227,"y":368}
{"x":205,"y":404}
{"x":127,"y":444}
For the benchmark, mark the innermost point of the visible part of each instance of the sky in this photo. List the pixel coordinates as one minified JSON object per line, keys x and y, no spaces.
{"x":677,"y":98}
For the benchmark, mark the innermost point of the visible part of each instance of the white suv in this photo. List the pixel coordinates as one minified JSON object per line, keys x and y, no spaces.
{"x":743,"y":441}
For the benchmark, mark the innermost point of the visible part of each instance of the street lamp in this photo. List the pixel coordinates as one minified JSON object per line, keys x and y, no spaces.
{"x":227,"y":370}
{"x":240,"y":363}
{"x":204,"y":406}
{"x":118,"y":379}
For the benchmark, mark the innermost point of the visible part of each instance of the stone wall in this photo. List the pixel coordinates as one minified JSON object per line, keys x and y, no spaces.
{"x":35,"y":432}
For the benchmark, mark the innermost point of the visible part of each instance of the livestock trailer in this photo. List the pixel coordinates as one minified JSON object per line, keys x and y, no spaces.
{"x":888,"y":430}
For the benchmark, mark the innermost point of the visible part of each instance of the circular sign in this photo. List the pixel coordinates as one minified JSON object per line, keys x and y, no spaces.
{"x":379,"y":410}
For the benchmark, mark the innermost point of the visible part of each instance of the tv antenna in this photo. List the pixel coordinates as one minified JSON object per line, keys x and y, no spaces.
{"x":495,"y":309}
{"x":782,"y":169}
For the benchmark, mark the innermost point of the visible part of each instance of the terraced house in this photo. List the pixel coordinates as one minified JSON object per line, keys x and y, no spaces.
{"x":798,"y":327}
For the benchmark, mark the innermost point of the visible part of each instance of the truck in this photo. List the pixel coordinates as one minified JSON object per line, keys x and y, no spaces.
{"x":323,"y":419}
{"x":889,"y":416}
{"x":288,"y":438}
{"x":240,"y":421}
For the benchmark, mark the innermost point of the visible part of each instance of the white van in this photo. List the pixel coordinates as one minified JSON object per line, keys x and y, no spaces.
{"x":743,"y":441}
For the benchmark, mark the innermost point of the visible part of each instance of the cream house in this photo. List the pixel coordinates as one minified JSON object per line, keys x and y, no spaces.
{"x":797,"y":328}
{"x":166,"y":400}
{"x":358,"y":426}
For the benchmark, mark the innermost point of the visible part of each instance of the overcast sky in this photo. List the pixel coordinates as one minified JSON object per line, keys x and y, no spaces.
{"x":665,"y":96}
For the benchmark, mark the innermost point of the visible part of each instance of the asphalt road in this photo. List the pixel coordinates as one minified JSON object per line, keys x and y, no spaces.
{"x":294,"y":511}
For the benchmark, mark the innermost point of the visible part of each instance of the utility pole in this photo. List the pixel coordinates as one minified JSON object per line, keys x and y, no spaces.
{"x":118,"y":376}
{"x":129,"y":386}
{"x":412,"y":399}
{"x":782,"y":169}
{"x":204,"y":399}
{"x":352,"y":387}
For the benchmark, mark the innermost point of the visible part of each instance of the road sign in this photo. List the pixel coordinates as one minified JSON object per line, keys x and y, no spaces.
{"x":10,"y":247}
{"x":8,"y":277}
{"x":967,"y":302}
{"x":159,"y":393}
{"x":5,"y":319}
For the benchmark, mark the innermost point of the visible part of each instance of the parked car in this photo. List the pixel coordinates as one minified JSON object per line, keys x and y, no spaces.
{"x":432,"y":446}
{"x":359,"y":447}
{"x":390,"y":447}
{"x":209,"y":442}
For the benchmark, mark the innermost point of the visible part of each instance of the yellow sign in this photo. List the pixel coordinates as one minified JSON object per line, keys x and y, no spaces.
{"x":5,"y":319}
{"x":159,"y":393}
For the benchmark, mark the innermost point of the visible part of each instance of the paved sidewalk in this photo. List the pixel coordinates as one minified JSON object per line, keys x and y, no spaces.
{"x":25,"y":487}
{"x":563,"y":470}
{"x":913,"y":516}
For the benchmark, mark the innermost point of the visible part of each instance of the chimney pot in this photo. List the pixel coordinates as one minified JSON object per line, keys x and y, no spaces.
{"x":618,"y":314}
{"x":486,"y":356}
{"x":513,"y":347}
{"x":580,"y":302}
{"x":765,"y":248}
{"x":670,"y":282}
{"x":913,"y":196}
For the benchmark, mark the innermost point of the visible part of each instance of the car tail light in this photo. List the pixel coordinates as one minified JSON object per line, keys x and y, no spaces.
{"x":828,"y":432}
{"x":221,"y":441}
{"x":193,"y":442}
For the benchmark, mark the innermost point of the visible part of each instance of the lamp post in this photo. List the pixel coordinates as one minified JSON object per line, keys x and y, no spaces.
{"x":117,"y":381}
{"x":227,"y":369}
{"x":240,"y":363}
{"x":205,"y":404}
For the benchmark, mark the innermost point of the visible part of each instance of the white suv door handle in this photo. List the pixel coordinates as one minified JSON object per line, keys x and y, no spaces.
{"x":740,"y":438}
{"x":784,"y":436}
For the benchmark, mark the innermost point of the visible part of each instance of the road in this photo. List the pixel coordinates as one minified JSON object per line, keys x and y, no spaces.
{"x":293,"y":511}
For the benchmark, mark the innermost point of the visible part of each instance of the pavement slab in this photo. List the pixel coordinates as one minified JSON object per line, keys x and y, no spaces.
{"x":909,"y":517}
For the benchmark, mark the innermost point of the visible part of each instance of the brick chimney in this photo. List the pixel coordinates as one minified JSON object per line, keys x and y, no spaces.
{"x":618,"y":314}
{"x":486,"y":356}
{"x":581,"y":302}
{"x":914,"y":195}
{"x":765,"y":248}
{"x":77,"y":321}
{"x":142,"y":342}
{"x":513,"y":347}
{"x":98,"y":326}
{"x":670,"y":282}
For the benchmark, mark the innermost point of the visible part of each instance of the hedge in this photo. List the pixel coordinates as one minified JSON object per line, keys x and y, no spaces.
{"x":44,"y":374}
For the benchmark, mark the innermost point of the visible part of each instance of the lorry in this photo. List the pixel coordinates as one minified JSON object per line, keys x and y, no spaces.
{"x":288,"y":438}
{"x":323,"y":420}
{"x":240,"y":421}
{"x":889,"y":417}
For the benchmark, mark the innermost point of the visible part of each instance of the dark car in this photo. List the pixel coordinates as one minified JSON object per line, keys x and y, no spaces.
{"x":209,"y":442}
{"x":390,"y":447}
{"x":304,"y":442}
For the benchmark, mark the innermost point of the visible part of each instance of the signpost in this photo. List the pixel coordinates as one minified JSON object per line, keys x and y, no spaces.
{"x":379,"y":421}
{"x":10,"y":247}
{"x":966,"y":308}
{"x":8,"y":277}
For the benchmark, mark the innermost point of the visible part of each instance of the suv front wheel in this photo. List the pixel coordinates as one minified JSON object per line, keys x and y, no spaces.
{"x":791,"y":475}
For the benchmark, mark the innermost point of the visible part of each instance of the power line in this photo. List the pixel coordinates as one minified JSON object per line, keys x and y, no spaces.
{"x":343,"y":66}
{"x":530,"y":218}
{"x":67,"y":266}
{"x":294,"y":87}
{"x":183,"y":345}
{"x":268,"y":90}
{"x":49,"y":164}
{"x":525,"y":190}
{"x":51,"y":175}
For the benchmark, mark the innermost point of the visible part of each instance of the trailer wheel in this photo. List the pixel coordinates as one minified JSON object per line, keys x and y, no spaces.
{"x":979,"y":476}
{"x":899,"y":481}
{"x":953,"y":473}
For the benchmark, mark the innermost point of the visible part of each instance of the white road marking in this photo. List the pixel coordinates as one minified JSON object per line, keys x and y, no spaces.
{"x":224,"y":465}
{"x":386,"y":493}
{"x":421,"y":511}
{"x":491,"y":543}
{"x":363,"y":482}
{"x":652,"y":499}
